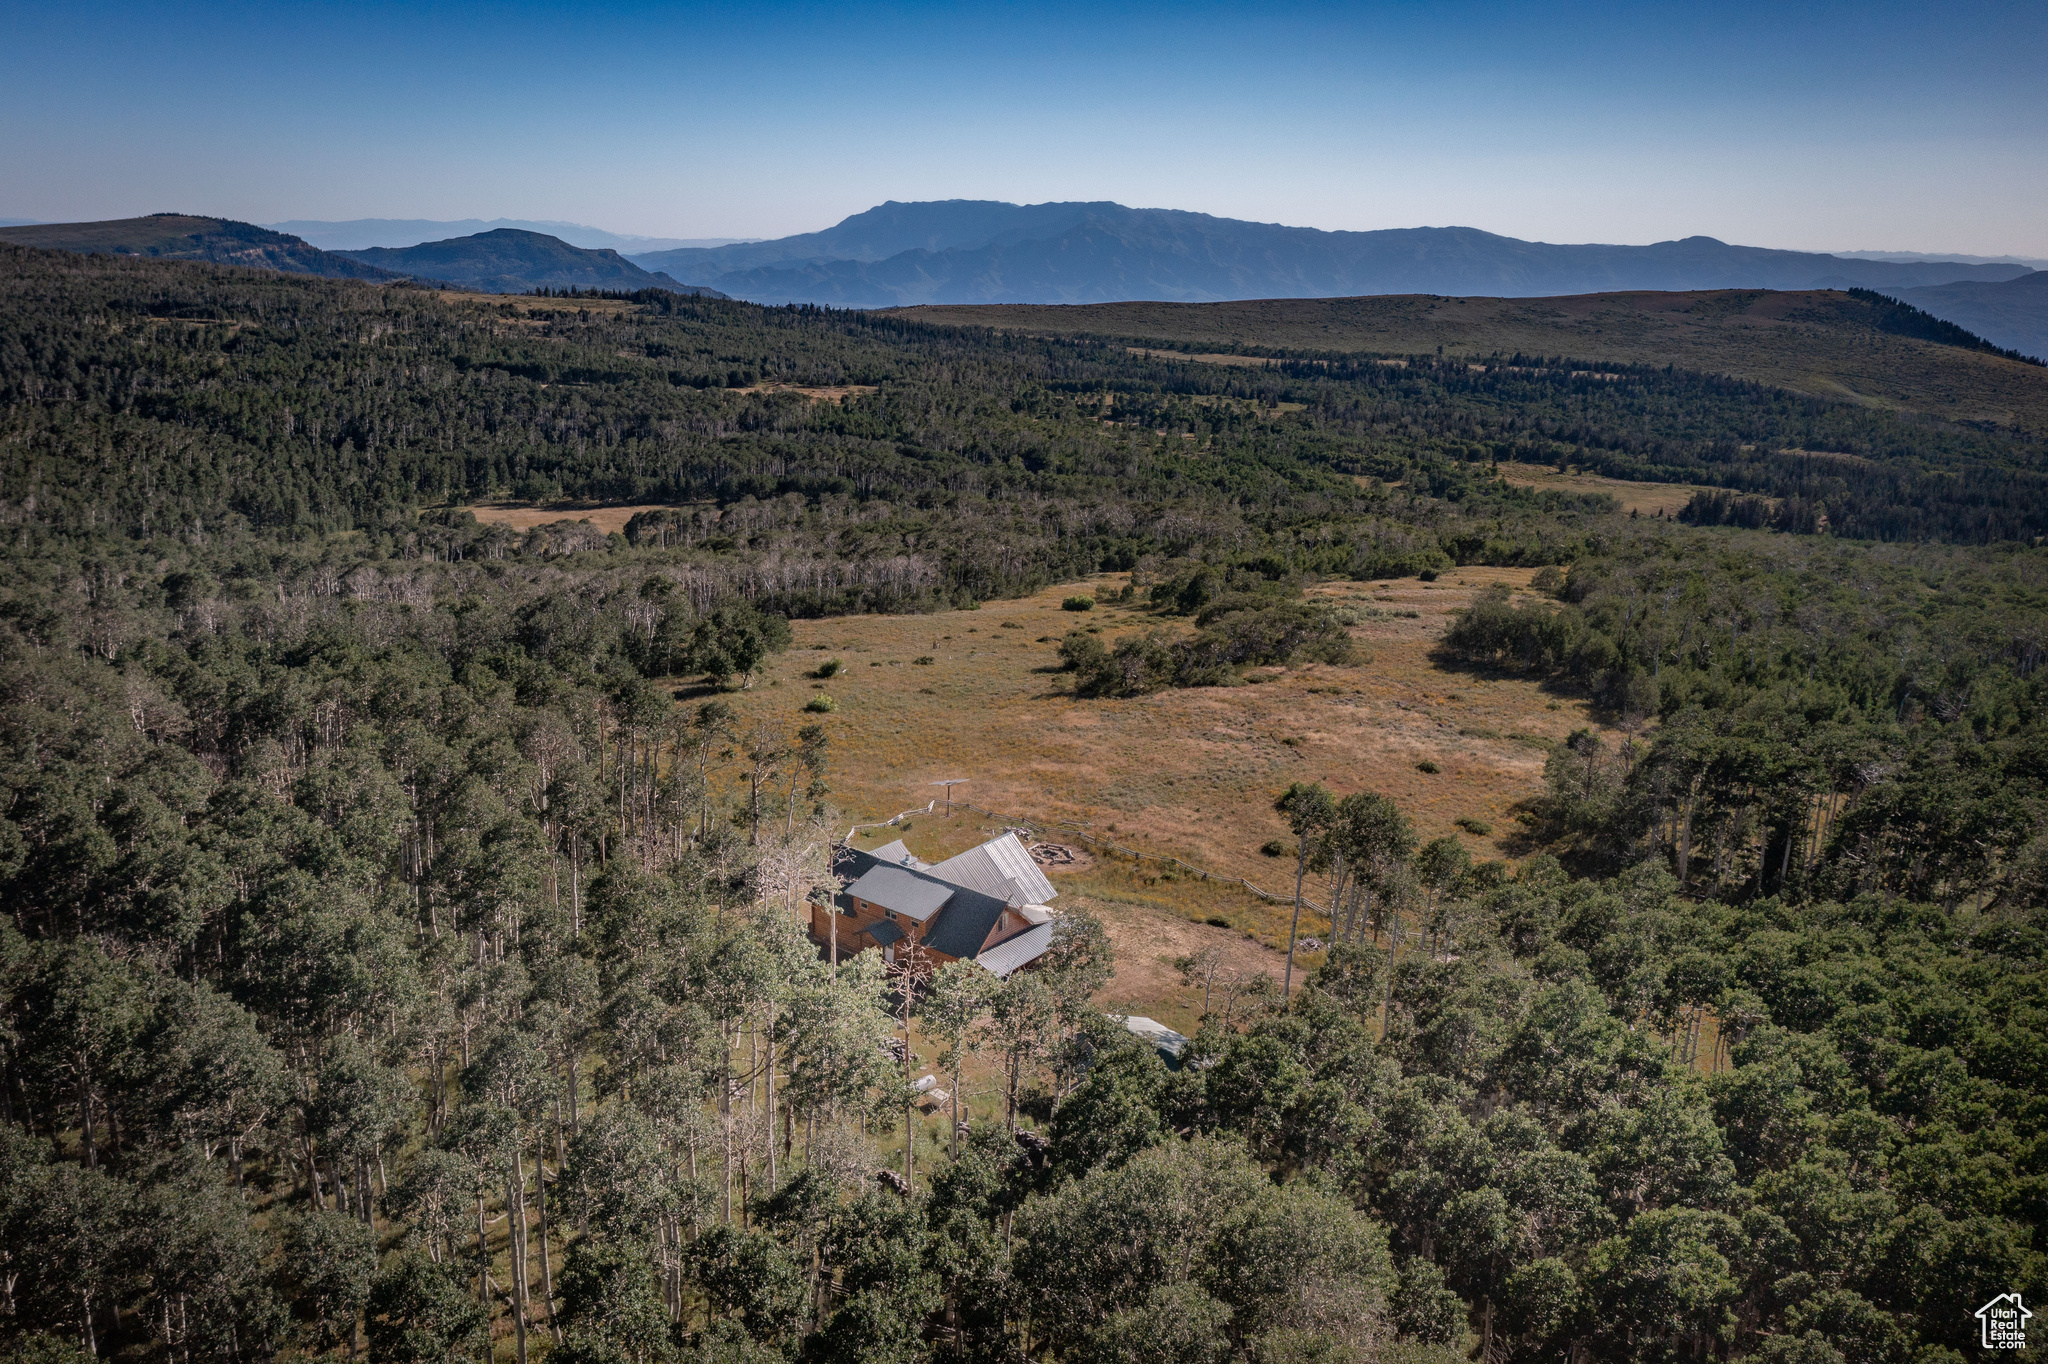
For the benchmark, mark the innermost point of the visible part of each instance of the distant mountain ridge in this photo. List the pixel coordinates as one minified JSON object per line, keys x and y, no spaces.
{"x":183,"y":236}
{"x":2012,"y":313}
{"x":1948,"y":257}
{"x":507,"y":260}
{"x":361,"y":234}
{"x":975,"y":251}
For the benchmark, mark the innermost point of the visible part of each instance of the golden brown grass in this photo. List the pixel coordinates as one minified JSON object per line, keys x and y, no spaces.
{"x":1811,"y":341}
{"x":1187,"y":773}
{"x":1645,"y":499}
{"x":520,"y":305}
{"x":837,"y":393}
{"x":525,"y":516}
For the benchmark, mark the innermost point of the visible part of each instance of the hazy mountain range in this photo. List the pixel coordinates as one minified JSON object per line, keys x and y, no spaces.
{"x":2031,"y":262}
{"x":978,"y":251}
{"x":360,"y":234}
{"x":975,"y":251}
{"x":964,"y":251}
{"x":508,"y":261}
{"x":2013,"y":314}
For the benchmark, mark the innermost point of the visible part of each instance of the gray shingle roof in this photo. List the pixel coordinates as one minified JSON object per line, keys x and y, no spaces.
{"x":883,"y":932}
{"x":965,"y":925}
{"x":905,"y":892}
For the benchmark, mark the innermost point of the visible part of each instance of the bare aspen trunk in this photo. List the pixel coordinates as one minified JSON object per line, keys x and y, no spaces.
{"x":572,"y":1094}
{"x":1011,"y":1095}
{"x":909,"y":1104}
{"x":771,"y":1106}
{"x":725,"y":1123}
{"x":483,"y":1257}
{"x":312,"y":1164}
{"x":515,"y":1215}
{"x":1685,"y":836}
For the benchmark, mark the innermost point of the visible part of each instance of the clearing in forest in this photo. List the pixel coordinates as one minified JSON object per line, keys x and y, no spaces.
{"x":525,"y":516}
{"x":1186,"y":773}
{"x":1644,"y":499}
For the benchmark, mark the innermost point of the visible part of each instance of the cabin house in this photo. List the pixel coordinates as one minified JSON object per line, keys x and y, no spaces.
{"x":987,"y":906}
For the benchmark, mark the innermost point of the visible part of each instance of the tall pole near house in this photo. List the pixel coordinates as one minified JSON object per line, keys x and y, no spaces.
{"x":949,"y":784}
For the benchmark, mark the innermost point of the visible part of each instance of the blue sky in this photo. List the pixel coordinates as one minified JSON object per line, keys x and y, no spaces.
{"x":1815,"y":127}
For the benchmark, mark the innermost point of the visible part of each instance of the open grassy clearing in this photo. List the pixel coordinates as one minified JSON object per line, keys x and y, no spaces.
{"x":1811,"y":341}
{"x":837,"y":393}
{"x":521,"y":305}
{"x":1644,"y":499}
{"x":1189,"y":773}
{"x":526,"y":516}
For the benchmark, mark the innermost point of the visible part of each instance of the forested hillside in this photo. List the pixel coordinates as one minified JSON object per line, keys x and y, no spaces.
{"x":508,"y":260}
{"x":181,"y":236}
{"x":1828,"y":344}
{"x":403,"y":953}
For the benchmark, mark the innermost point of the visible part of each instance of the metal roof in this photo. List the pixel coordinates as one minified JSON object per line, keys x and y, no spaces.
{"x":1012,"y":953}
{"x":1001,"y":867}
{"x":905,"y":892}
{"x":897,"y":855}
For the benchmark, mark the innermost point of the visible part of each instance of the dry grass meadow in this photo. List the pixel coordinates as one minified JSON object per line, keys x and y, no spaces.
{"x":1644,"y":499}
{"x":836,"y":393}
{"x":1189,"y":774}
{"x":525,"y":516}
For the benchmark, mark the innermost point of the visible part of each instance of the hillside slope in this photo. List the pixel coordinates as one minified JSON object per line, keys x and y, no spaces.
{"x":254,"y":410}
{"x":968,"y":251}
{"x":510,"y":261}
{"x":180,"y":236}
{"x":2011,"y":313}
{"x":1820,"y":342}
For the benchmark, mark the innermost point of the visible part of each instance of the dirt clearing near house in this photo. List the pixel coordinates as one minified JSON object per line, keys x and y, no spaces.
{"x":1188,"y":773}
{"x":1148,"y":941}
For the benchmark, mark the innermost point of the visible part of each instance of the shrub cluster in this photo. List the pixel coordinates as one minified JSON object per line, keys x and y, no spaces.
{"x":1244,"y":636}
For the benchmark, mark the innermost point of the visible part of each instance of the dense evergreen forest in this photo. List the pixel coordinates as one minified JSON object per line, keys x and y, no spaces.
{"x":393,"y":966}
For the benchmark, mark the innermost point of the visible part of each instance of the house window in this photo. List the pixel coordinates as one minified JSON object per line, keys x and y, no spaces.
{"x":890,"y":912}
